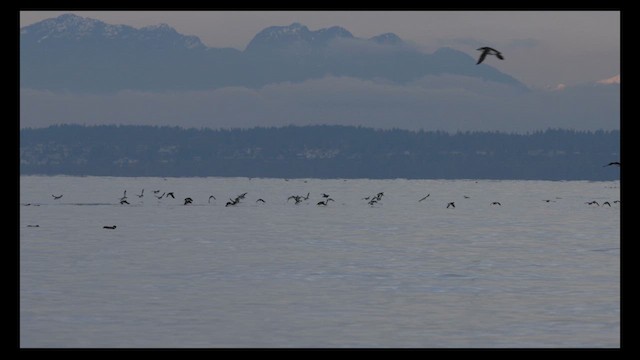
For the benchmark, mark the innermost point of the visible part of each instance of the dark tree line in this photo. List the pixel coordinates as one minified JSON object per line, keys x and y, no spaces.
{"x":323,"y":151}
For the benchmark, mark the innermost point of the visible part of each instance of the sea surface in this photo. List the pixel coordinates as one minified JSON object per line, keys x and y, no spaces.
{"x":398,"y":273}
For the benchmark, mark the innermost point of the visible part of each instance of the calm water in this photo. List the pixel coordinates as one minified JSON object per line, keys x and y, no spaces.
{"x":402,"y":273}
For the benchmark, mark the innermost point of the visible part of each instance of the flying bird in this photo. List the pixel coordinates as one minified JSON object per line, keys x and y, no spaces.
{"x":141,"y":194}
{"x":56,"y":197}
{"x":488,"y":51}
{"x":123,"y":201}
{"x":260,"y":200}
{"x":451,"y":204}
{"x":188,"y":200}
{"x":325,"y":202}
{"x":170,"y":194}
{"x":496,"y":203}
{"x":109,"y":227}
{"x":424,"y":197}
{"x":613,"y":163}
{"x":211,"y":197}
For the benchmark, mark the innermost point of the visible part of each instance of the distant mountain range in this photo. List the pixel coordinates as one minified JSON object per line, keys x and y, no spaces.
{"x":80,"y":54}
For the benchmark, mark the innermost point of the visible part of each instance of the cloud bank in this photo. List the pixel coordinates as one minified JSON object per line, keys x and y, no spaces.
{"x":448,"y":103}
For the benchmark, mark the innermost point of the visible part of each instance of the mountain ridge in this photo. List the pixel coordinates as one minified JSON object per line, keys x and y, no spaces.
{"x":73,"y":53}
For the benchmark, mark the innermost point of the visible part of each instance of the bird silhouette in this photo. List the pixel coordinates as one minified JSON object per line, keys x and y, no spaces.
{"x":56,"y":197}
{"x":488,"y":51}
{"x":170,"y":194}
{"x":188,"y":200}
{"x":109,"y":227}
{"x":613,"y":163}
{"x":211,"y":197}
{"x":424,"y":198}
{"x":260,"y":200}
{"x":451,"y":204}
{"x":325,"y":202}
{"x":123,"y":201}
{"x":496,"y":203}
{"x":141,"y":194}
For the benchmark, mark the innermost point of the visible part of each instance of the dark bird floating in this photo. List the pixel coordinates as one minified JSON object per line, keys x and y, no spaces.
{"x":56,"y":197}
{"x":488,"y":51}
{"x":451,"y":204}
{"x":613,"y":163}
{"x":33,"y":225}
{"x":109,"y":227}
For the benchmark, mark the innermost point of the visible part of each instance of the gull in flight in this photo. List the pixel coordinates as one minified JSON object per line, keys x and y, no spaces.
{"x":488,"y":51}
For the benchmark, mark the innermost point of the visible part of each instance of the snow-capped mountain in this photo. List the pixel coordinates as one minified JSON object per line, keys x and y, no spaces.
{"x":72,"y":28}
{"x":277,"y":37}
{"x":81,"y":54}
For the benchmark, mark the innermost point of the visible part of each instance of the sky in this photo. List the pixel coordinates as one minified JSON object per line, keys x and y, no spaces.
{"x":549,"y":51}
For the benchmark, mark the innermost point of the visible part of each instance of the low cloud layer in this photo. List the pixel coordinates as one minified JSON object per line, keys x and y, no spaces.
{"x":449,"y":103}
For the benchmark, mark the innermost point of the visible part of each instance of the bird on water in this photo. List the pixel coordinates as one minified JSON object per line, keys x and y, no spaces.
{"x":109,"y":227}
{"x":488,"y":51}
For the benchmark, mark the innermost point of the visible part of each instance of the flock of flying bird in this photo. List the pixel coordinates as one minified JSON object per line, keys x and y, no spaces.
{"x":297,"y":199}
{"x":371,"y":200}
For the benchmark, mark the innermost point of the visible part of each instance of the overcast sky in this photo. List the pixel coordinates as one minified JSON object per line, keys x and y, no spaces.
{"x":554,"y":50}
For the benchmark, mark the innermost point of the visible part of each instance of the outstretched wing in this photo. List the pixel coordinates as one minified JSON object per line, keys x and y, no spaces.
{"x":499,"y":55}
{"x":482,"y":56}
